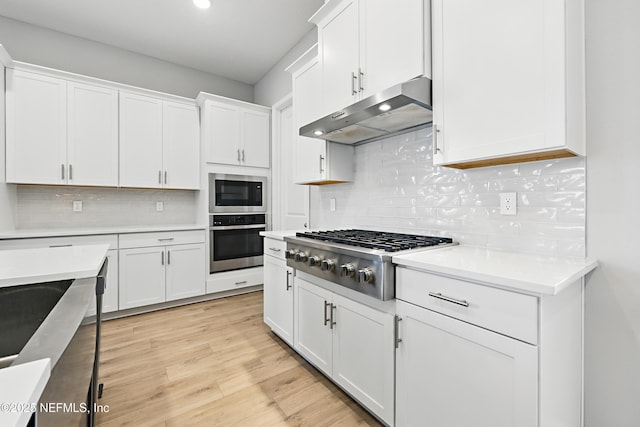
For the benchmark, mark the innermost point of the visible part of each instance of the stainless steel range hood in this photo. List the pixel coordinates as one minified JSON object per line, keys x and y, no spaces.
{"x":400,"y":107}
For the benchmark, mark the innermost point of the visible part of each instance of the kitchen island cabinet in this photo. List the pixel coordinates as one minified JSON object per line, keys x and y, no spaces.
{"x":508,"y":81}
{"x":350,"y":342}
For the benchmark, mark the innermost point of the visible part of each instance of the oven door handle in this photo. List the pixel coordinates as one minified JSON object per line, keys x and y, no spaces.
{"x":237,"y":227}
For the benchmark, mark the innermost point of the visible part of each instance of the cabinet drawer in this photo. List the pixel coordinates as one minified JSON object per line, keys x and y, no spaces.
{"x":230,"y":280}
{"x":275,"y":247}
{"x":165,"y":238}
{"x":505,"y":312}
{"x":45,"y":242}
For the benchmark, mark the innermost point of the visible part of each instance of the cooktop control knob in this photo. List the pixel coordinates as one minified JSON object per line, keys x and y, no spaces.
{"x":290,"y":253}
{"x":327,"y":265}
{"x":314,"y":261}
{"x":348,"y":270}
{"x":365,"y":275}
{"x":301,"y":256}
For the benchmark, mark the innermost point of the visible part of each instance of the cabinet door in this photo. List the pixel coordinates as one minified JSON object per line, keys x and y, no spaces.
{"x":185,"y":271}
{"x":223,"y":134}
{"x":363,"y":355}
{"x":278,"y":297}
{"x":36,"y":128}
{"x":142,"y":277}
{"x":312,"y":326}
{"x":256,"y":135}
{"x":92,"y":147}
{"x":385,"y":27}
{"x":181,"y":146}
{"x":451,"y":373}
{"x":140,"y":141}
{"x":307,"y":96}
{"x":498,"y":74}
{"x":339,"y":39}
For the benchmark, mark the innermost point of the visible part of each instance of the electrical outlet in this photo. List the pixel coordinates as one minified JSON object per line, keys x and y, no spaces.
{"x":77,"y":205}
{"x":159,"y":206}
{"x":332,"y":205}
{"x":508,"y":203}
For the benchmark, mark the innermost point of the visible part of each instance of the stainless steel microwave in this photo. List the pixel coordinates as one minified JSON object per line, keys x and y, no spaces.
{"x":237,"y":193}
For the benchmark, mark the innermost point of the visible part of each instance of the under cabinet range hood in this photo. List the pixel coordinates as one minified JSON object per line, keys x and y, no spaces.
{"x":397,"y":108}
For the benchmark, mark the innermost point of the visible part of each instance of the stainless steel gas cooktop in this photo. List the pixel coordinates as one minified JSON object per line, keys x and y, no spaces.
{"x":357,"y":259}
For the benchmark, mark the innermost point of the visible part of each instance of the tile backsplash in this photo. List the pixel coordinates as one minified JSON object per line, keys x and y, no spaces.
{"x":397,"y":188}
{"x":51,"y":207}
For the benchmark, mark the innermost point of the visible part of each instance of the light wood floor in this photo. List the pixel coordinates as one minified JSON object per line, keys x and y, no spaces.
{"x":213,"y":364}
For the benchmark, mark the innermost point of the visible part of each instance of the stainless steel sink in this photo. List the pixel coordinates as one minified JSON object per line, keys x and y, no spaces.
{"x":22,"y":310}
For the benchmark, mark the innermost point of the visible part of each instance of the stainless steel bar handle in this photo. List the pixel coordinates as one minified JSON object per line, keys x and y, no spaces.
{"x":435,"y":139}
{"x":159,"y":177}
{"x":332,"y":323}
{"x":288,"y":282}
{"x":326,"y":319}
{"x":243,"y":155}
{"x":396,"y":330}
{"x":162,"y":258}
{"x":241,"y":283}
{"x":70,"y":172}
{"x":60,"y":246}
{"x":165,"y":177}
{"x":321,"y":161}
{"x":353,"y":83}
{"x":360,"y":80}
{"x":238,"y":155}
{"x":168,"y":239}
{"x":275,"y":249}
{"x":168,"y":257}
{"x":62,"y":169}
{"x":438,"y":295}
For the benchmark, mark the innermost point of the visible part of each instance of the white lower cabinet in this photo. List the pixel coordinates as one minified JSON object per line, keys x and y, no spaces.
{"x":278,"y":295}
{"x":450,"y":373}
{"x":159,"y":271}
{"x":470,"y":354}
{"x":350,"y":342}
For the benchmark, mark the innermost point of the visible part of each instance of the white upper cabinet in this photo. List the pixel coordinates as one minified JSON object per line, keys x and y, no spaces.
{"x":66,"y":129}
{"x":140,"y":141}
{"x":235,"y":132}
{"x":60,"y":132}
{"x":368,"y":46}
{"x":159,"y":143}
{"x":316,"y":161}
{"x":508,"y":81}
{"x":92,"y":147}
{"x":181,"y":145}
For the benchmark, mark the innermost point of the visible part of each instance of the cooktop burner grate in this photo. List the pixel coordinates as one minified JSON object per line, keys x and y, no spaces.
{"x":388,"y":242}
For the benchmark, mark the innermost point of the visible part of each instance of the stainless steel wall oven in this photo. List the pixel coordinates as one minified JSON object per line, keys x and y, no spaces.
{"x":235,"y":241}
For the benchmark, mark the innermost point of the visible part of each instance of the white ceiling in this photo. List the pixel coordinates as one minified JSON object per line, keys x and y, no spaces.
{"x":237,"y":39}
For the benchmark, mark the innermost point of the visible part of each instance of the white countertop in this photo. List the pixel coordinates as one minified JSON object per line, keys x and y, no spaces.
{"x":514,"y":271}
{"x":280,"y":234}
{"x":28,"y":381}
{"x":28,"y":233}
{"x":25,"y":266}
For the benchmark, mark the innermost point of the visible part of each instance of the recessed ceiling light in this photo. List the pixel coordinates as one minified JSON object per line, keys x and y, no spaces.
{"x":384,"y":107}
{"x":318,"y":132}
{"x":202,"y":4}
